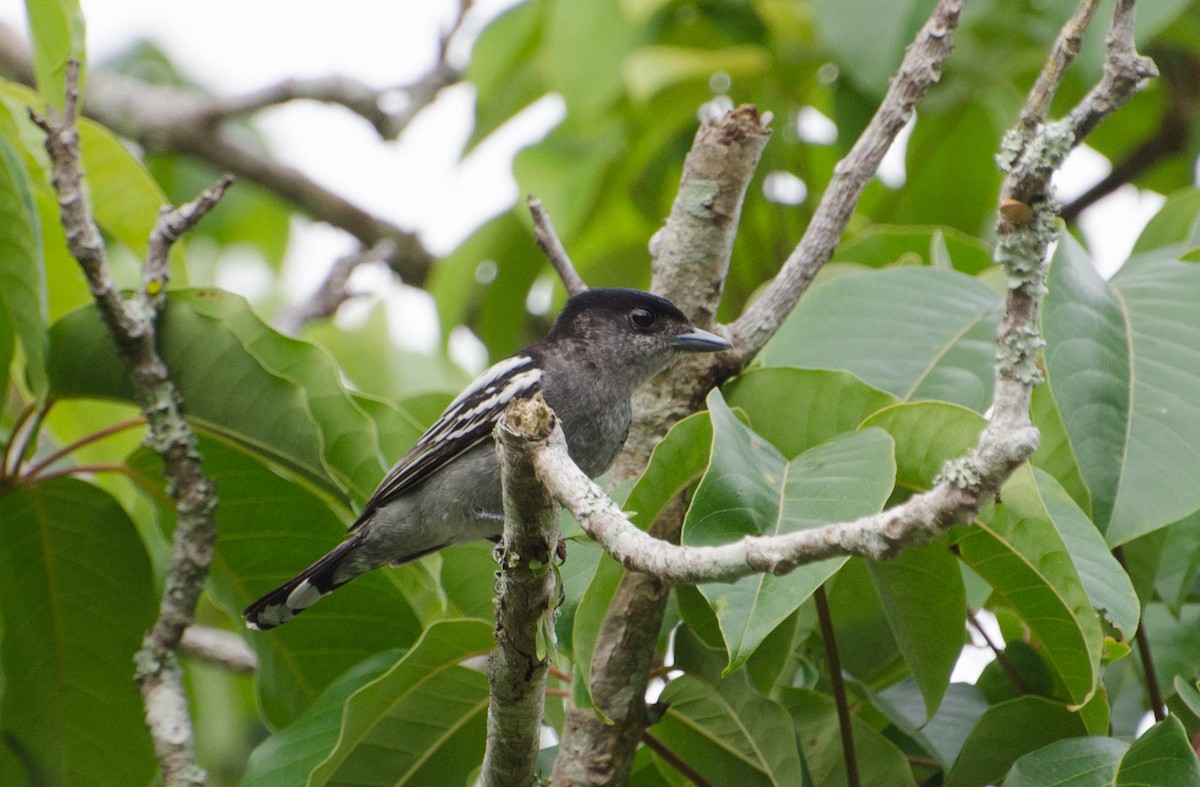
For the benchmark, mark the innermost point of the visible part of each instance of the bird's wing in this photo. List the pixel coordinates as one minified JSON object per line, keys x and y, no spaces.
{"x":467,"y":420}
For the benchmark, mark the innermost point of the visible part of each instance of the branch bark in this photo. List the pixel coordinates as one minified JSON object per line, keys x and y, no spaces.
{"x":921,"y":67}
{"x":165,"y":119}
{"x":132,"y":325}
{"x":525,"y":602}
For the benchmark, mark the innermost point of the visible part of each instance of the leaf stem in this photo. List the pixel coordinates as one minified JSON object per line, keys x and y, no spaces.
{"x":1143,"y":645}
{"x":839,"y":686}
{"x":674,"y":760}
{"x":20,"y":420}
{"x":121,"y":426}
{"x":1002,"y":659}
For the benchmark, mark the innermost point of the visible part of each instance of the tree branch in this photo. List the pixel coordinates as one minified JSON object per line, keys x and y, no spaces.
{"x":921,"y":67}
{"x":132,"y":325}
{"x":332,"y":292}
{"x":218,"y":647}
{"x":525,"y":602}
{"x":165,"y":119}
{"x":550,"y":244}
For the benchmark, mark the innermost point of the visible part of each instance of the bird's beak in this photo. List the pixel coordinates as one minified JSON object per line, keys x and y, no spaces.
{"x":698,"y":341}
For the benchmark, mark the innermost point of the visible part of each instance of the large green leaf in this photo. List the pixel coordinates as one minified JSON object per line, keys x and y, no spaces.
{"x":1162,"y":755}
{"x":421,"y":722}
{"x":720,"y":731}
{"x":22,"y":278}
{"x":919,"y":333}
{"x":289,"y":756}
{"x":76,"y":596}
{"x":1118,"y":355}
{"x":1077,"y":762}
{"x":277,"y":396}
{"x":869,"y":52}
{"x":880,"y":761}
{"x":57,"y":31}
{"x":676,"y":462}
{"x":882,"y":245}
{"x":1008,"y":731}
{"x":269,"y":529}
{"x":796,"y":409}
{"x":925,"y":604}
{"x":1027,"y":563}
{"x":751,"y":489}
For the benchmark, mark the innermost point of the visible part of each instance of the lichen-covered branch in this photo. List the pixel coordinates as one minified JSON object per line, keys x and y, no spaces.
{"x":525,"y":602}
{"x":921,"y":67}
{"x":132,"y":326}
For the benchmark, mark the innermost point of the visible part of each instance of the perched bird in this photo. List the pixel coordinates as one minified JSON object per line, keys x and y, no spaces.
{"x":446,"y":489}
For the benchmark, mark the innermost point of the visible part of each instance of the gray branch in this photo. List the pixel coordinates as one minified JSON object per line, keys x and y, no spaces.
{"x":173,"y":120}
{"x":921,"y":67}
{"x":525,"y":602}
{"x":132,"y":326}
{"x":219,"y":648}
{"x":550,"y":244}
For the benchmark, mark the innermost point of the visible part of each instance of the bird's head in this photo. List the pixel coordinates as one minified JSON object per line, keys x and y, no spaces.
{"x":640,"y":332}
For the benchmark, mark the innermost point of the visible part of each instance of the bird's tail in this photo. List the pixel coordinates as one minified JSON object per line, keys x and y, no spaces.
{"x":303,"y":590}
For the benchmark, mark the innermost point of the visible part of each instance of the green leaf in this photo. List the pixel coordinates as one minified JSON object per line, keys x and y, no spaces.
{"x":869,"y":53}
{"x":750,"y":489}
{"x":1115,"y":362}
{"x":882,"y":245}
{"x":942,"y":736}
{"x":278,"y":397}
{"x":421,"y":722}
{"x":652,"y":69}
{"x":796,"y":409}
{"x":925,"y":604}
{"x":584,"y":47}
{"x":927,"y":435}
{"x":1055,"y":453}
{"x":1175,"y":229}
{"x":57,"y":32}
{"x":1008,"y":731}
{"x":270,"y":528}
{"x":720,"y":732}
{"x":76,"y":596}
{"x":289,"y":756}
{"x":676,"y":462}
{"x":1107,"y":585}
{"x":918,"y":333}
{"x":1027,"y":563}
{"x":816,"y":720}
{"x":22,"y":278}
{"x":1162,"y":755}
{"x":125,"y":198}
{"x":1077,"y":762}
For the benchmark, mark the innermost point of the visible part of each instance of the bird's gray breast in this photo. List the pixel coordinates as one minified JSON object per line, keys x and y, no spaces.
{"x":595,"y":424}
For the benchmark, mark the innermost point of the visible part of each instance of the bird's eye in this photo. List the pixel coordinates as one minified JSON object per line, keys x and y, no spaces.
{"x":641,"y":318}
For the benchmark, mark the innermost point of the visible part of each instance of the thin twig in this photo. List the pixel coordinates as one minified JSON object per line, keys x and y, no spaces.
{"x":333,"y":291}
{"x":1066,"y":48}
{"x":132,"y":327}
{"x":219,"y":648}
{"x":921,"y":67}
{"x":18,"y":422}
{"x":548,"y":241}
{"x":84,"y":441}
{"x":674,"y":760}
{"x":1002,"y":659}
{"x":1142,"y":640}
{"x":839,"y":686}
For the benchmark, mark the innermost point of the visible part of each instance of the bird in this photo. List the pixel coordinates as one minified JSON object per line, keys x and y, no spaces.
{"x":605,"y":343}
